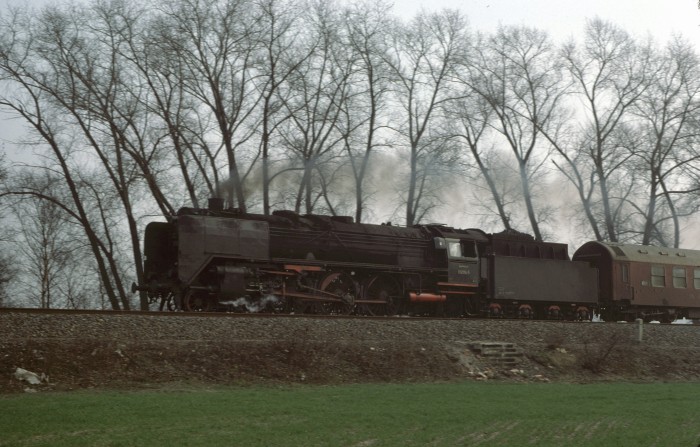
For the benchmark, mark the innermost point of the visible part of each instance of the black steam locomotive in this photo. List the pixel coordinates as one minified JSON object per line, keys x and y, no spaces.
{"x":216,"y":259}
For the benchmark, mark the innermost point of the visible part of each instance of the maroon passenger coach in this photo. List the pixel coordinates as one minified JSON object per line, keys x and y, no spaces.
{"x":642,"y":281}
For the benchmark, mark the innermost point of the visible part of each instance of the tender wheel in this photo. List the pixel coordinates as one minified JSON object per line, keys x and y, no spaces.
{"x":525,"y":311}
{"x":583,"y":314}
{"x":196,"y":301}
{"x":382,"y":288}
{"x":342,"y":286}
{"x":554,"y":312}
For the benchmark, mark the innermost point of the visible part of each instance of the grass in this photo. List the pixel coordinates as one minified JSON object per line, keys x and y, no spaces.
{"x":465,"y":414}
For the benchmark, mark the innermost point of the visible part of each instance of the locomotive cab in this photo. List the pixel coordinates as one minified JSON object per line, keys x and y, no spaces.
{"x":458,"y":251}
{"x":462,"y":261}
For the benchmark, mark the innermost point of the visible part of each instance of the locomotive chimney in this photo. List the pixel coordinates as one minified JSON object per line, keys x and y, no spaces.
{"x":216,"y":204}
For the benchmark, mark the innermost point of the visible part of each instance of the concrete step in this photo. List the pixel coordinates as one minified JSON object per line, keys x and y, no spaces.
{"x":497,"y":352}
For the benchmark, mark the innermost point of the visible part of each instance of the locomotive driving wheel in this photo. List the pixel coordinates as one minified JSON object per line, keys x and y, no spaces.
{"x":196,"y":301}
{"x":382,"y":288}
{"x":299,"y":305}
{"x":341,"y":286}
{"x":167,"y":301}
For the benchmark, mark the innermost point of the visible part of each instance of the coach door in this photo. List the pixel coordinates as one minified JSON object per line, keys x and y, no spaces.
{"x":624,"y":290}
{"x":462,"y":262}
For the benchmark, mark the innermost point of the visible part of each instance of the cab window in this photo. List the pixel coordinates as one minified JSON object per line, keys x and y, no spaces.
{"x":469,"y":249}
{"x":462,"y":249}
{"x":455,"y":249}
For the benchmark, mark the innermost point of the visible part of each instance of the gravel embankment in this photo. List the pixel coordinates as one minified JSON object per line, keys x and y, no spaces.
{"x":123,"y":350}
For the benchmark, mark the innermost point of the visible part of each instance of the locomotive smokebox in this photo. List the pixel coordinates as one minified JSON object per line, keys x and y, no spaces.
{"x":216,"y":204}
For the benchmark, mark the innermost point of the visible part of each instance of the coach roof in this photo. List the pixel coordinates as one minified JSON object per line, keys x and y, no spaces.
{"x":640,"y":253}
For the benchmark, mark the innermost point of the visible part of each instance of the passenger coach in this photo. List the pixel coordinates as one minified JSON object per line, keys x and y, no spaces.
{"x":641,"y":281}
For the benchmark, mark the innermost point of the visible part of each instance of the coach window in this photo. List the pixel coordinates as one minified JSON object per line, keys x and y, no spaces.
{"x":679,"y":279}
{"x":696,"y":278}
{"x":658,"y":278}
{"x":625,"y":273}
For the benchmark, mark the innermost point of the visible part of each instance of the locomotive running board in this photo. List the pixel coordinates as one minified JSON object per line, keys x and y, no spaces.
{"x":445,"y":288}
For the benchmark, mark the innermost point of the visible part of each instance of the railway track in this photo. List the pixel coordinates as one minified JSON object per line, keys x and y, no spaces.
{"x":264,"y":315}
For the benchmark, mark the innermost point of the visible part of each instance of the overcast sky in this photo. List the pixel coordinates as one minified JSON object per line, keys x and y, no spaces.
{"x":563,"y":18}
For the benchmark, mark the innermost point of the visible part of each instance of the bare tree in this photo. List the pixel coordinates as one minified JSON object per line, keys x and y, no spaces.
{"x":666,"y":142}
{"x":470,"y":121}
{"x":317,"y":93}
{"x":46,"y":247}
{"x":7,"y":272}
{"x":281,"y":56}
{"x":517,"y":74}
{"x":215,"y":42}
{"x":175,"y":128}
{"x":81,"y":47}
{"x":365,"y":114}
{"x":426,"y":52}
{"x":33,"y":58}
{"x":609,"y":73}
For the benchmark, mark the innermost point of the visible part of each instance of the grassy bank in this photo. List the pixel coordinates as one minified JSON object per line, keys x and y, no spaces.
{"x":361,"y":415}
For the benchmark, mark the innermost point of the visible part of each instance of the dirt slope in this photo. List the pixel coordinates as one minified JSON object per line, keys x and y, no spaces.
{"x":69,"y":351}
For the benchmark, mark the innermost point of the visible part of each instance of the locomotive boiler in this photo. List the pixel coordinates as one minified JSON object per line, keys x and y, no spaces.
{"x":222,"y":259}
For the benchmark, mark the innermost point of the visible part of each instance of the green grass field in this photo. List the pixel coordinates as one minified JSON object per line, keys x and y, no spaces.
{"x":467,"y":414}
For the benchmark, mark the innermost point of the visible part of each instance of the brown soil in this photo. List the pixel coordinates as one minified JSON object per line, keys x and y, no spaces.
{"x":69,"y":351}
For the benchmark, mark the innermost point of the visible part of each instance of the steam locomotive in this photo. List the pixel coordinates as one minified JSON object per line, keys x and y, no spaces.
{"x":222,"y":259}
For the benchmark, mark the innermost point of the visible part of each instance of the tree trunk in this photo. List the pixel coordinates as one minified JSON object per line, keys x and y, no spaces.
{"x":525,"y":182}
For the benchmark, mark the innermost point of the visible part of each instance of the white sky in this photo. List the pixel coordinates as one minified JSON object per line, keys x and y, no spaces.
{"x":561,"y":18}
{"x":564,"y":18}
